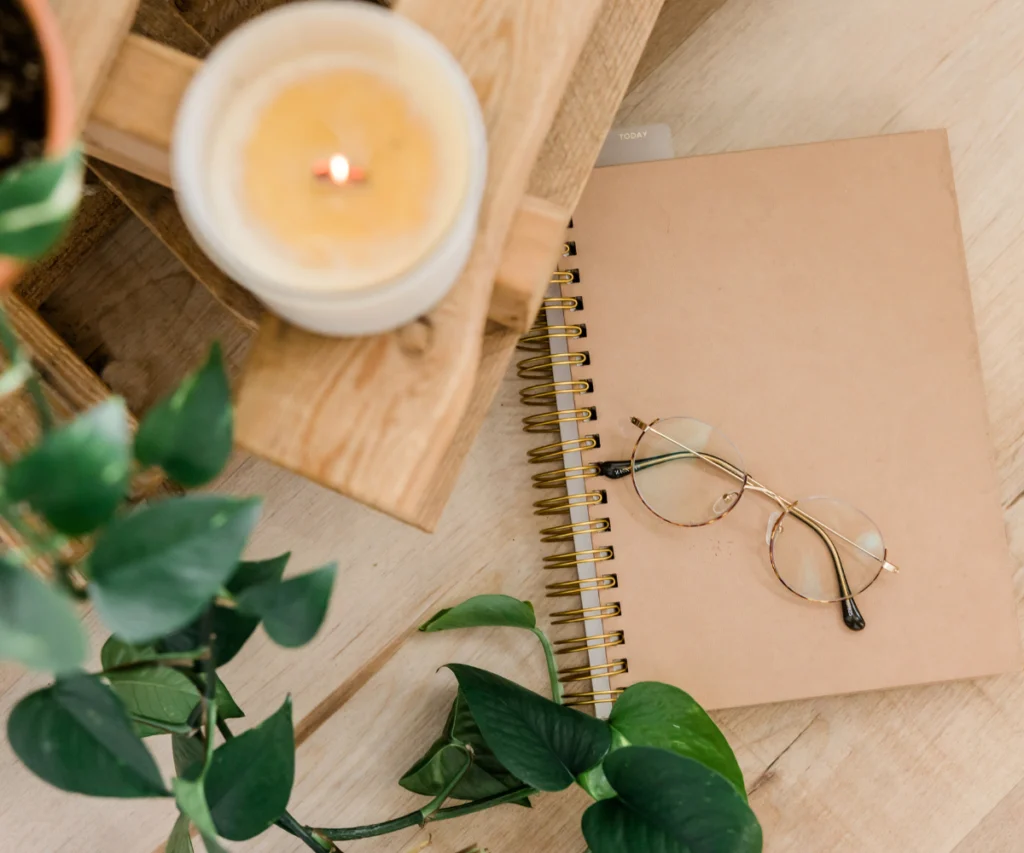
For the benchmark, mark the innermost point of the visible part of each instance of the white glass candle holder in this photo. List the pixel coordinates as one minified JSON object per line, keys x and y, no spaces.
{"x":225,"y":100}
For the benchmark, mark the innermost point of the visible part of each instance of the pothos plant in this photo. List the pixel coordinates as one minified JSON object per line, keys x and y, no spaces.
{"x":169,"y":581}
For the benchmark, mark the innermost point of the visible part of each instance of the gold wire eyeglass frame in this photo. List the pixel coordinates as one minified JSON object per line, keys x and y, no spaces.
{"x":851,"y":614}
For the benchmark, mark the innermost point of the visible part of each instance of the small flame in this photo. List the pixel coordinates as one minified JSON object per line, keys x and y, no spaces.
{"x":338,"y":171}
{"x":338,"y":168}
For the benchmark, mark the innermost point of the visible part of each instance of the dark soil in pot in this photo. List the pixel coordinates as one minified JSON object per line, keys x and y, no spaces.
{"x":22,"y":88}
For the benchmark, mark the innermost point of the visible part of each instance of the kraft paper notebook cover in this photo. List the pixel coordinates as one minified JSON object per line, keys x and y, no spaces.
{"x":812,"y":303}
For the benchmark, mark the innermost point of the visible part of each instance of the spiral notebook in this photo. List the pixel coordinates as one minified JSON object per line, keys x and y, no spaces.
{"x":812,"y":303}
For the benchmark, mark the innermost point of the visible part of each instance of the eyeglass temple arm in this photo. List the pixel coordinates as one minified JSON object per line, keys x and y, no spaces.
{"x":616,"y":470}
{"x":852,"y":617}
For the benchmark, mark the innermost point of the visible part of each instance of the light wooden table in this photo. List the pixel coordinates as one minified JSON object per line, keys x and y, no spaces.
{"x":921,"y":770}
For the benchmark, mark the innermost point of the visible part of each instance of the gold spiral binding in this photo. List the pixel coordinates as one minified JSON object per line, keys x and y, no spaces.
{"x":537,"y":339}
{"x":576,"y":558}
{"x":544,"y":391}
{"x":563,"y":503}
{"x":592,"y":697}
{"x":551,"y":421}
{"x":540,"y":366}
{"x":582,"y":614}
{"x":580,"y":585}
{"x":584,"y":673}
{"x":562,"y":303}
{"x":575,"y":645}
{"x":561,"y":532}
{"x":556,"y":451}
{"x":551,"y":479}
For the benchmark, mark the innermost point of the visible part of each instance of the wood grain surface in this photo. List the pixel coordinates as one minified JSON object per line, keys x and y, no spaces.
{"x":935,"y":769}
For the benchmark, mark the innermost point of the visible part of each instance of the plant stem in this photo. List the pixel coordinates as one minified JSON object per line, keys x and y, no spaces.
{"x":549,"y":657}
{"x":312,"y":839}
{"x":64,"y":573}
{"x":43,"y":410}
{"x":446,"y":791}
{"x":416,"y":818}
{"x":210,"y":671}
{"x":222,"y":727}
{"x":286,"y":822}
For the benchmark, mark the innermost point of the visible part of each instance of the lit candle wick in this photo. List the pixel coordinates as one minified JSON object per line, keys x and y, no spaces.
{"x":338,"y":171}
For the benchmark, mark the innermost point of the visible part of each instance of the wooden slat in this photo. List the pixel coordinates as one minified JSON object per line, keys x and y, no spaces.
{"x":155,"y":206}
{"x":69,"y":385}
{"x":162,"y":22}
{"x":133,"y":119}
{"x":373,"y":417}
{"x":216,"y":19}
{"x":584,"y":116}
{"x":96,"y":30}
{"x":531,"y":252}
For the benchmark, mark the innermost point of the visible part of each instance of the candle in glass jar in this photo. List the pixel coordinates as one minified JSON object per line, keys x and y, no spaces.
{"x":331,"y":158}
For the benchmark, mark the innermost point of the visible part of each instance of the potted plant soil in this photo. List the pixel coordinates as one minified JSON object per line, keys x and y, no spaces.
{"x":40,"y":162}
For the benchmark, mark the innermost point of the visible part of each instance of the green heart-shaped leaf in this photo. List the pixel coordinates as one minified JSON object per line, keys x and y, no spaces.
{"x":292,"y":610}
{"x":117,"y":653}
{"x":544,"y":744}
{"x":78,"y":474}
{"x":191,"y":799}
{"x":154,"y":570}
{"x":249,"y":781}
{"x":38,"y":625}
{"x":227,"y":707}
{"x":668,"y":804}
{"x":484,"y":611}
{"x":655,"y":714}
{"x":486,"y":777}
{"x":157,"y":694}
{"x":76,"y":736}
{"x":189,"y":433}
{"x":180,"y":840}
{"x":37,"y":200}
{"x":188,"y":753}
{"x":145,"y":727}
{"x":255,"y":572}
{"x":231,"y":628}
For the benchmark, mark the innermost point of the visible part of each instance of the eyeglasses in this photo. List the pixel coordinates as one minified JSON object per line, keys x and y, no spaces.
{"x":689,"y":474}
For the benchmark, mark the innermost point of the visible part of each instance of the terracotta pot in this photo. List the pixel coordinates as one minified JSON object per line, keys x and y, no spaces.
{"x":60,"y":118}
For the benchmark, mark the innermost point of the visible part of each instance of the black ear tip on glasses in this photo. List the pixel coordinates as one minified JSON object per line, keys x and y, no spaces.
{"x":613,"y":470}
{"x":851,"y":615}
